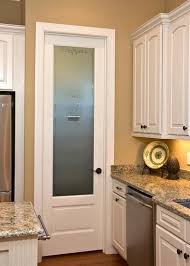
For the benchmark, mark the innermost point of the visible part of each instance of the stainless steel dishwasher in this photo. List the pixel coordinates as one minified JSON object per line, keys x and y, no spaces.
{"x":140,"y":245}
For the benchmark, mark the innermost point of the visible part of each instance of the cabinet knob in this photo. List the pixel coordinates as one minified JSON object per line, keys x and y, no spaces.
{"x":142,"y":126}
{"x":179,"y":251}
{"x":186,"y":256}
{"x":116,"y":199}
{"x":184,"y":128}
{"x":145,"y":126}
{"x":119,"y":188}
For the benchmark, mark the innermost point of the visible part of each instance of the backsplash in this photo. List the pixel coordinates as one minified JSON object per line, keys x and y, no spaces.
{"x":179,"y":149}
{"x":137,"y":169}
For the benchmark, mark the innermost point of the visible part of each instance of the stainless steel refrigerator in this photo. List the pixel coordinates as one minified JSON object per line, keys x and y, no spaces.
{"x":6,"y":146}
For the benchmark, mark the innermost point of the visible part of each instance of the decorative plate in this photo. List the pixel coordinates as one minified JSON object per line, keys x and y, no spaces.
{"x":156,"y":154}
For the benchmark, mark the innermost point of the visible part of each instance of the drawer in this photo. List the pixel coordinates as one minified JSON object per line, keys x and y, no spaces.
{"x":171,"y":222}
{"x":119,"y":188}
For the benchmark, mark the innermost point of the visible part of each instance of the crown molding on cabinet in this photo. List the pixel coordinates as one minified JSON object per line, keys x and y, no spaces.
{"x":155,"y":21}
{"x":179,"y":11}
{"x":162,"y":18}
{"x":12,"y":28}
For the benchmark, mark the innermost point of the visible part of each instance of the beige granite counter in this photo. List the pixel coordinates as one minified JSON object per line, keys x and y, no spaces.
{"x":18,"y":220}
{"x":163,"y":191}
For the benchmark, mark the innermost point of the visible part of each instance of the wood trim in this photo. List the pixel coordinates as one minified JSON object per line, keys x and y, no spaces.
{"x":109,"y":36}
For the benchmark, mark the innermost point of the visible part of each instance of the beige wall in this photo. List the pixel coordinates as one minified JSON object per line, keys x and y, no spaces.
{"x":171,"y":4}
{"x":11,"y":12}
{"x":124,"y":16}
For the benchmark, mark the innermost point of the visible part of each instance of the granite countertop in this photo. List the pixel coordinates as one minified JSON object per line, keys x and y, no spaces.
{"x":163,"y":191}
{"x":18,"y":220}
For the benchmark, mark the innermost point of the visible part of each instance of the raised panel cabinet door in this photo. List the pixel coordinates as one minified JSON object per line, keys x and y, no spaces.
{"x":153,"y":88}
{"x":169,"y":249}
{"x":187,"y":255}
{"x":178,"y":77}
{"x":119,"y":224}
{"x":6,"y":61}
{"x":138,"y":84}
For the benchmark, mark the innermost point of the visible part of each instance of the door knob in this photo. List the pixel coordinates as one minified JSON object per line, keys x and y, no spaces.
{"x":98,"y":171}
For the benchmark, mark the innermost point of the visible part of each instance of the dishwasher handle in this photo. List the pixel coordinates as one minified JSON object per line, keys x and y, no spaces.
{"x":130,"y":196}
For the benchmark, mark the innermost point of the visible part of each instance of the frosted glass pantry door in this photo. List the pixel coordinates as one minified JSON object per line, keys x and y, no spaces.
{"x":73,"y":143}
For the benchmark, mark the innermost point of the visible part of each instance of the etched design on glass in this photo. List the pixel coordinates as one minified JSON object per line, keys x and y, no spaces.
{"x":73,"y":121}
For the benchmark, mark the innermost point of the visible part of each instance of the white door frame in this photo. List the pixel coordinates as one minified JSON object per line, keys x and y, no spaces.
{"x":108,"y":35}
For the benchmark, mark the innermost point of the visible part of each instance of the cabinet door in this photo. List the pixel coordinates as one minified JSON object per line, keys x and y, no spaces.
{"x":119,"y":224}
{"x":178,"y":76}
{"x":153,"y":89}
{"x":169,"y":249}
{"x":138,"y":84}
{"x":4,"y":254}
{"x":187,"y":255}
{"x":6,"y":61}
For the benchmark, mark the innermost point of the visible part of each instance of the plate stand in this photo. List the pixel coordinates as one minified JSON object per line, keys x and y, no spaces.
{"x":146,"y":168}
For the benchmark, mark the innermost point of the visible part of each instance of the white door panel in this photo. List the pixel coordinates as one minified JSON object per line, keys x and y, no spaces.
{"x":153,"y":86}
{"x":167,"y":246}
{"x":178,"y":77}
{"x":138,"y":84}
{"x":74,"y":220}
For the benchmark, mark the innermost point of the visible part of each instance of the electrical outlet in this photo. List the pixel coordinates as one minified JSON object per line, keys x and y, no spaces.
{"x":188,"y":158}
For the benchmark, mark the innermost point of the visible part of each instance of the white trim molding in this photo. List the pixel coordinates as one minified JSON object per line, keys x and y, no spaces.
{"x":18,"y":85}
{"x":108,"y":35}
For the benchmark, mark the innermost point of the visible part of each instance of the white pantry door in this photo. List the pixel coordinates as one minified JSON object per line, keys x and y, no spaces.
{"x":74,"y":100}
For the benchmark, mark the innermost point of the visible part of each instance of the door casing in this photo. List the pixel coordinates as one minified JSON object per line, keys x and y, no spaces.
{"x":108,"y":35}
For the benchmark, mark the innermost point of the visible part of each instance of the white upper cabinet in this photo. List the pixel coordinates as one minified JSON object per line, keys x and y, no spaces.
{"x":161,"y":80}
{"x":147,"y":82}
{"x":139,"y":84}
{"x":178,"y":77}
{"x":153,"y":85}
{"x":6,"y":61}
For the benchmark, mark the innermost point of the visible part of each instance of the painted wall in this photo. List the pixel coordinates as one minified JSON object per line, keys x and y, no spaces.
{"x":124,"y":16}
{"x":171,"y":4}
{"x":12,"y":12}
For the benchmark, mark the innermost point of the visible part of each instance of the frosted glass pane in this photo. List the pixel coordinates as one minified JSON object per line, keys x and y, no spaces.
{"x":73,"y":121}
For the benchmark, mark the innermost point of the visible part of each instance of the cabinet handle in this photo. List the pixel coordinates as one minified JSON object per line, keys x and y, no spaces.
{"x":184,"y":128}
{"x":119,"y":188}
{"x":179,"y":251}
{"x":186,"y":256}
{"x":46,"y":235}
{"x":116,"y":199}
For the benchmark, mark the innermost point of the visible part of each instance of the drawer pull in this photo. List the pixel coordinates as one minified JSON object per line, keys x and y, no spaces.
{"x":116,"y":199}
{"x":184,"y":128}
{"x":186,"y":256}
{"x":119,"y":188}
{"x":46,"y":235}
{"x":179,"y":251}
